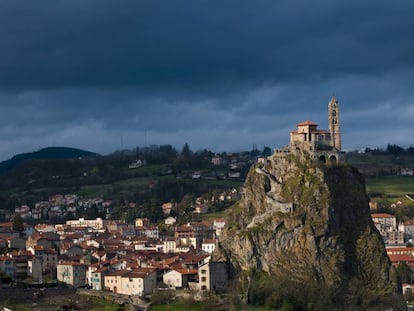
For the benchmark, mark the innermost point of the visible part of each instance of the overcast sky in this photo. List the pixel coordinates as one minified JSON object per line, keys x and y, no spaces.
{"x":105,"y":75}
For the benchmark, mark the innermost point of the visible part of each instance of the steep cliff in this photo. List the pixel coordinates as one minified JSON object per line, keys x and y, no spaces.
{"x":304,"y":230}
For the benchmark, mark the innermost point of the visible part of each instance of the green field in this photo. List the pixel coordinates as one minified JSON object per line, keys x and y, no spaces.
{"x":390,"y":186}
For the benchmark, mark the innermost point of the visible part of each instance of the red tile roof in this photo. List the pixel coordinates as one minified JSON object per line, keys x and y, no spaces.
{"x":399,"y":249}
{"x":307,"y":122}
{"x":210,"y":241}
{"x":382,"y":215}
{"x":186,"y":271}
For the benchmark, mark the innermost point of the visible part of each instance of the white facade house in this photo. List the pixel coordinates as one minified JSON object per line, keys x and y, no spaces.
{"x":96,"y":224}
{"x":169,"y":245}
{"x":141,"y":281}
{"x":179,"y":278}
{"x":209,"y":245}
{"x":385,"y":220}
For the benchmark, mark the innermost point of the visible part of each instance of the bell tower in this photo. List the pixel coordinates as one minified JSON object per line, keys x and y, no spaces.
{"x":334,"y":123}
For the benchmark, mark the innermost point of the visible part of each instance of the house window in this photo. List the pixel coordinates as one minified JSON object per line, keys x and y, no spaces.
{"x":203,"y":271}
{"x":203,"y":279}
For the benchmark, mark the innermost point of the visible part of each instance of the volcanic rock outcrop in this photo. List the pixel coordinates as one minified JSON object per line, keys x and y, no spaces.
{"x":305,"y":227}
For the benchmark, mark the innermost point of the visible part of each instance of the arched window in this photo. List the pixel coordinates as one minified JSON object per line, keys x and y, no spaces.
{"x":322,"y":159}
{"x":332,"y":159}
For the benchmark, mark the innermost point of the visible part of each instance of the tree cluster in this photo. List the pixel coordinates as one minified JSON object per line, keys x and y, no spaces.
{"x":392,"y":149}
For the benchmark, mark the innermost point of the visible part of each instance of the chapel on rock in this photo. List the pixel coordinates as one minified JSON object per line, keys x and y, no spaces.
{"x":324,"y":145}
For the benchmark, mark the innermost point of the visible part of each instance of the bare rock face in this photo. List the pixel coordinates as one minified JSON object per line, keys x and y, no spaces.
{"x":307,"y":226}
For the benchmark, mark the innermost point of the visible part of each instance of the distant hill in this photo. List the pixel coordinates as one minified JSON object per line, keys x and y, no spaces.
{"x":45,"y":153}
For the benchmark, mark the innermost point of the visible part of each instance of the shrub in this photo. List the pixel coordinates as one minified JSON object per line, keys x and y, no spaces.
{"x":160,"y":297}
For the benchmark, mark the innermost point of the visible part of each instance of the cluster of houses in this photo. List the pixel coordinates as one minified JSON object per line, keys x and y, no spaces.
{"x":394,"y":234}
{"x":202,"y":205}
{"x":59,"y":207}
{"x":397,"y":238}
{"x":114,"y":256}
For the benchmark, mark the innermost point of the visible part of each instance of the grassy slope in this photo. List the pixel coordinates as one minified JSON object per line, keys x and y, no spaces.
{"x":391,"y":186}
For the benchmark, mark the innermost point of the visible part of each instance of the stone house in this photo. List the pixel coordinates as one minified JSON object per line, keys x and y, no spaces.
{"x":141,"y":281}
{"x":72,"y":273}
{"x":178,"y":278}
{"x":113,"y":281}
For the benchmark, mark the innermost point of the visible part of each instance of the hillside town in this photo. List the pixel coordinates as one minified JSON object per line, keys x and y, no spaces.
{"x":398,"y":239}
{"x":114,"y":256}
{"x":50,"y":242}
{"x":138,"y":258}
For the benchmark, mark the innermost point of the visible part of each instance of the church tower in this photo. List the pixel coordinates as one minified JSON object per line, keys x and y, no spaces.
{"x":334,"y":124}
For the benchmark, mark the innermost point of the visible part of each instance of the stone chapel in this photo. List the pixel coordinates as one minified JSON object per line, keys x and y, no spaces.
{"x":324,"y":145}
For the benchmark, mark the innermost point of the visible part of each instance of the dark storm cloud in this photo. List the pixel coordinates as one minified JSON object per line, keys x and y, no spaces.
{"x":54,"y":44}
{"x":104,"y":75}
